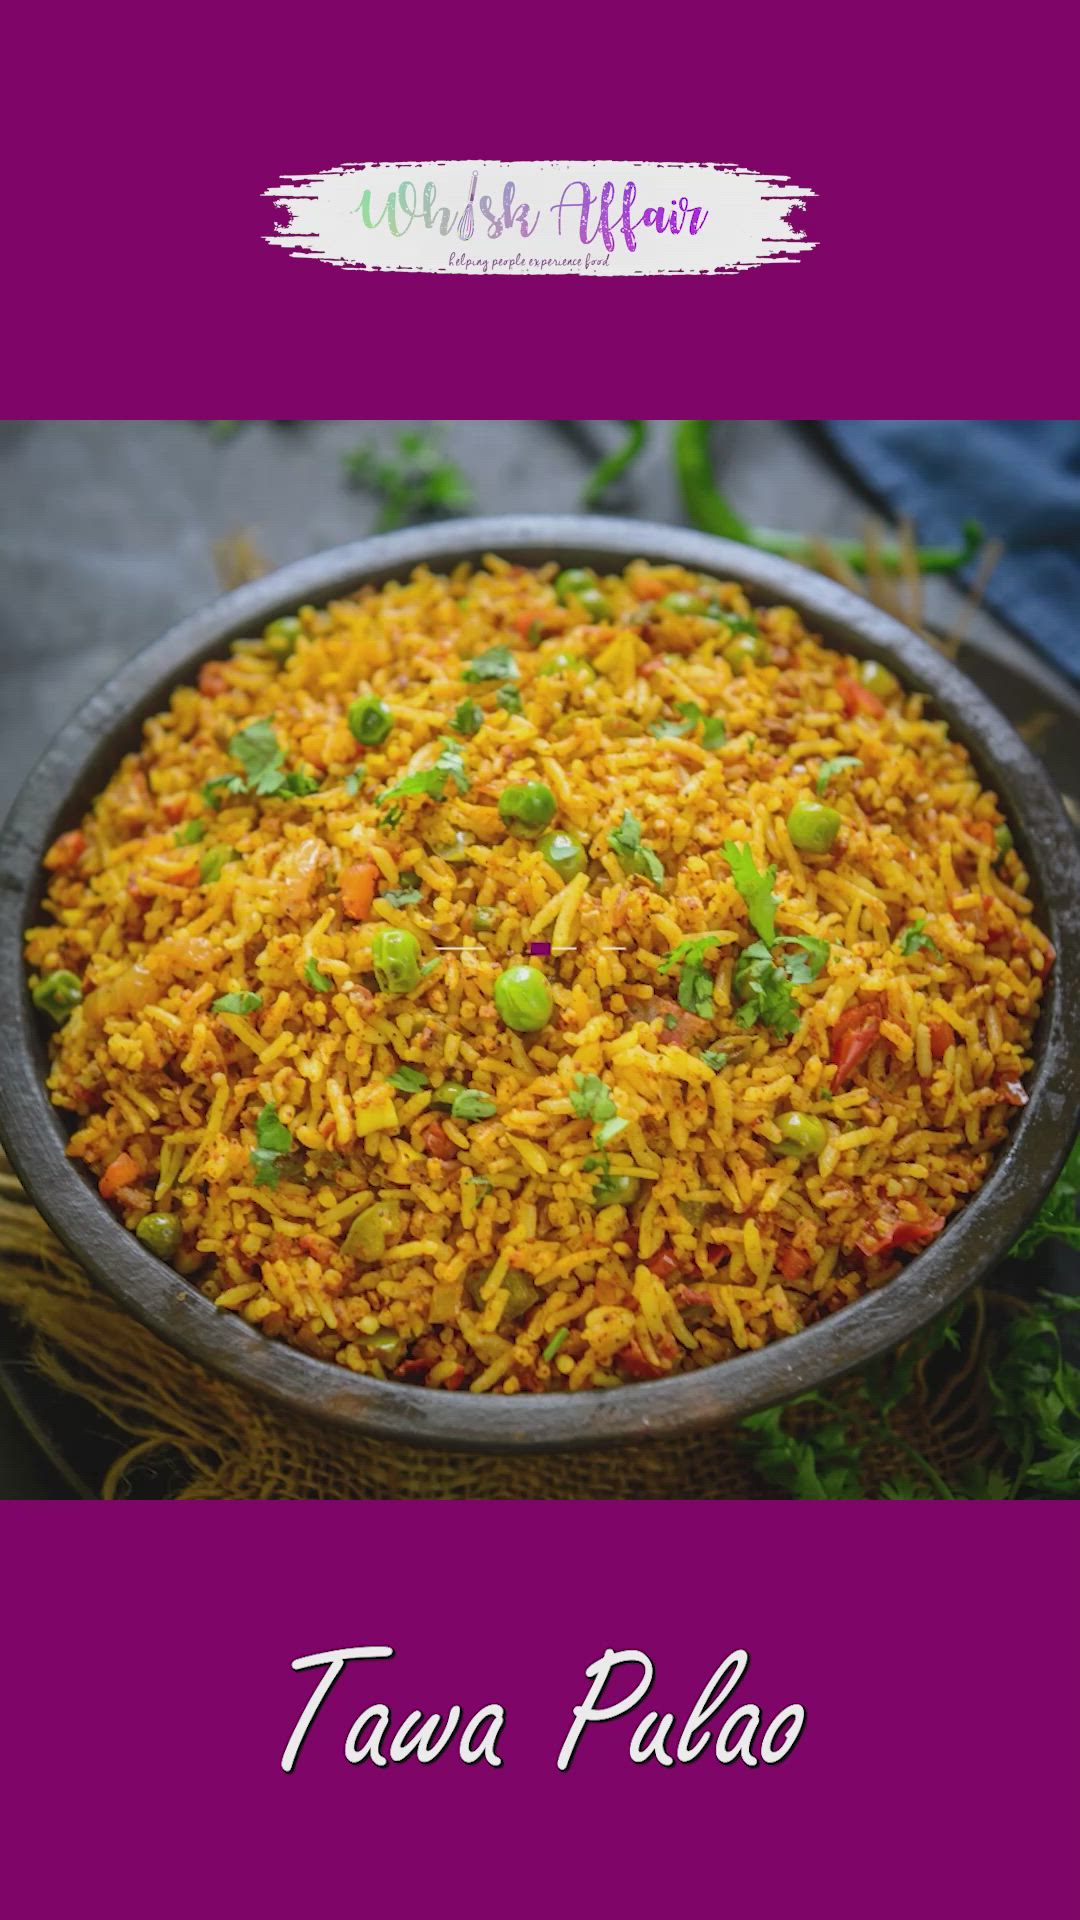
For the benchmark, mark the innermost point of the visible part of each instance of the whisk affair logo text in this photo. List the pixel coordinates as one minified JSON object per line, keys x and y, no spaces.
{"x":541,"y":216}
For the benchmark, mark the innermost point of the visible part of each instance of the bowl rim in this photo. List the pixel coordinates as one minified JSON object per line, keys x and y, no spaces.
{"x":80,"y":758}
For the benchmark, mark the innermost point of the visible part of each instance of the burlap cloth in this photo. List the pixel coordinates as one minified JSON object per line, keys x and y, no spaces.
{"x":226,"y":1444}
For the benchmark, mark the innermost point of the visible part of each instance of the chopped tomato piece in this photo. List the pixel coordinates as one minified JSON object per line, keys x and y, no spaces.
{"x":692,"y":1296}
{"x":66,"y":851}
{"x":889,"y":1232}
{"x":412,"y":1369}
{"x":358,"y":889}
{"x":120,"y":1172}
{"x":664,"y":1263}
{"x":859,"y":699}
{"x":454,"y":1379}
{"x":633,"y":1361}
{"x":792,"y":1261}
{"x":174,"y":808}
{"x":852,"y":1038}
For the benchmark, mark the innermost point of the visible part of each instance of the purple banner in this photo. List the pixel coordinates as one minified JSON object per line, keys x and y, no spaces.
{"x":152,"y":1692}
{"x":940,"y":279}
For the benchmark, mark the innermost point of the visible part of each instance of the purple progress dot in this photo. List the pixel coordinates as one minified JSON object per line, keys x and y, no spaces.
{"x":540,"y":946}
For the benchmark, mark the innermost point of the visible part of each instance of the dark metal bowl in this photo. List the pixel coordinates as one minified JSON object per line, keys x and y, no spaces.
{"x":78,"y":764}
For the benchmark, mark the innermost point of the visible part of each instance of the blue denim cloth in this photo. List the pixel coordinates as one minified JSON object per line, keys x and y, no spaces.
{"x":1019,"y":478}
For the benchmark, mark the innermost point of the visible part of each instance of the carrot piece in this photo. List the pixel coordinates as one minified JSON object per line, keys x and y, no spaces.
{"x":941,"y":1038}
{"x":119,"y":1173}
{"x":212,"y":678}
{"x":358,"y":889}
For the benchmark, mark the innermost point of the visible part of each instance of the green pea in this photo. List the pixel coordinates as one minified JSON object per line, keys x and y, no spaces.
{"x":523,"y":999}
{"x":160,"y":1232}
{"x":683,"y":603}
{"x":281,"y":636}
{"x":57,"y":994}
{"x":802,"y":1135}
{"x":367,"y":1235}
{"x":745,"y":651}
{"x":370,"y":721}
{"x":574,"y":581}
{"x":1003,"y":839}
{"x":445,"y":1095}
{"x":568,"y":663}
{"x":616,"y":1190}
{"x":563,"y":851}
{"x":813,"y":826}
{"x":877,"y":679}
{"x":518,"y":1286}
{"x":386,"y":1346}
{"x":592,"y":602}
{"x":395,"y":956}
{"x":527,"y":808}
{"x":483,"y":919}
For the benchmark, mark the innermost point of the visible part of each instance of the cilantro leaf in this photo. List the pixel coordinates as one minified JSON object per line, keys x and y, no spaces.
{"x":432,"y":780}
{"x":755,"y":888}
{"x":317,"y":981}
{"x":189,"y":833}
{"x":299,"y":782}
{"x":695,"y":980}
{"x":591,"y":1099}
{"x":678,"y":729}
{"x":468,"y":718}
{"x":212,"y":862}
{"x":633,"y":855}
{"x":222,"y":783}
{"x":257,"y":749}
{"x":407,"y":894}
{"x":1057,"y":1215}
{"x":830,"y":767}
{"x":808,"y":962}
{"x":763,"y":978}
{"x":497,"y":663}
{"x":714,"y":732}
{"x":472,"y":1106}
{"x":273,"y":1140}
{"x":763,"y":991}
{"x":414,"y":480}
{"x":714,"y":1059}
{"x":913,"y":937}
{"x":408,"y":1079}
{"x":509,"y":699}
{"x":237,"y":1003}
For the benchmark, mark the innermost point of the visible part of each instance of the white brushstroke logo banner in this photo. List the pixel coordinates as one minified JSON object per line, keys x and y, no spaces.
{"x":541,"y":216}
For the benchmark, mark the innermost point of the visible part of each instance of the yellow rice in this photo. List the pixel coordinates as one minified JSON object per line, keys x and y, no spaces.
{"x":728,"y":1243}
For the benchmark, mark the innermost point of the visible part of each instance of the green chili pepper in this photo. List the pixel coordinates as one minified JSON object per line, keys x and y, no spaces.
{"x":57,"y":994}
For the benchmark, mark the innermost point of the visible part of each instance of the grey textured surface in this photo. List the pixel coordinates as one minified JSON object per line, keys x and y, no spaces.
{"x":107,"y":532}
{"x":107,"y":528}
